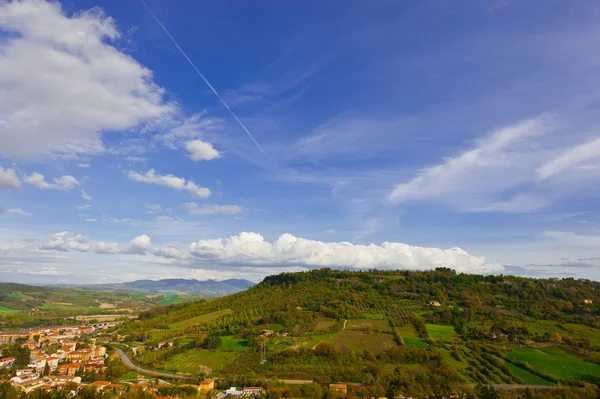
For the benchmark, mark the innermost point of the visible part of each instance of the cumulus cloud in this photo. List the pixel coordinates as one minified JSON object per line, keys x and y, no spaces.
{"x":65,"y":183}
{"x":199,"y":150}
{"x":206,"y":209}
{"x":62,"y":83}
{"x":251,"y":249}
{"x":171,"y":181}
{"x":8,"y":178}
{"x":141,"y":245}
{"x":18,"y":211}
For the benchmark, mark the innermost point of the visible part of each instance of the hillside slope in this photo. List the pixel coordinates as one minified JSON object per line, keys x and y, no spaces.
{"x":361,"y":326}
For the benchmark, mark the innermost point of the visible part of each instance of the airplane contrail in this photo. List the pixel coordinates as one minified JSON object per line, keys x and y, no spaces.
{"x":201,"y":75}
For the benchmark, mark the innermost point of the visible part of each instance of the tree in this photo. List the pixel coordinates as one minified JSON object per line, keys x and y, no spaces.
{"x":487,"y":392}
{"x":46,"y":371}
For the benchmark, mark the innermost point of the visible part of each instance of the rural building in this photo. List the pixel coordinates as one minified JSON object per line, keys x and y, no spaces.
{"x":340,"y":389}
{"x":7,"y":362}
{"x":434,"y":303}
{"x":588,"y":302}
{"x":253,"y":391}
{"x":207,"y":385}
{"x":267,"y":333}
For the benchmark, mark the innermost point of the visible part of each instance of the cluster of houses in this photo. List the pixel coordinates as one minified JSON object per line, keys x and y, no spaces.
{"x":59,"y":366}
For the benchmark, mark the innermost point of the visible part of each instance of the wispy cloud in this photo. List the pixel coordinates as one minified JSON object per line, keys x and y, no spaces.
{"x":170,"y":181}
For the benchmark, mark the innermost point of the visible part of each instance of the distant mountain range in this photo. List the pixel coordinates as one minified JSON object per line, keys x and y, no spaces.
{"x":211,"y":288}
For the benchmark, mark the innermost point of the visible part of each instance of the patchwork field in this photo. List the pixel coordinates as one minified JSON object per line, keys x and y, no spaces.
{"x":556,"y":365}
{"x":358,"y":340}
{"x":178,"y":328}
{"x":437,"y":331}
{"x":527,"y":377}
{"x":324,"y":325}
{"x":360,"y":324}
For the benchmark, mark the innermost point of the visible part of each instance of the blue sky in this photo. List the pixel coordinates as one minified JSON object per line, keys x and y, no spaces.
{"x":392,"y":135}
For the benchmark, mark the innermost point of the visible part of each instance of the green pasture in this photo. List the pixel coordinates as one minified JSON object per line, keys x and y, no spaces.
{"x":527,"y":377}
{"x":437,"y":331}
{"x":559,"y":366}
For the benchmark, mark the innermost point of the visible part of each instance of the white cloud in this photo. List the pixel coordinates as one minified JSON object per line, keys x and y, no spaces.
{"x":91,"y":220}
{"x":82,"y":207}
{"x":101,"y":247}
{"x":62,"y":84}
{"x":201,"y":150}
{"x":83,"y":165}
{"x":479,"y":176}
{"x":193,"y":127}
{"x":117,"y":220}
{"x":171,"y":181}
{"x":168,"y":252}
{"x":8,"y":178}
{"x":18,"y":211}
{"x":251,"y":249}
{"x":206,"y":209}
{"x":156,"y":208}
{"x":85,"y":196}
{"x":573,"y":157}
{"x":329,"y":231}
{"x":9,"y":246}
{"x":141,"y":245}
{"x":60,"y":183}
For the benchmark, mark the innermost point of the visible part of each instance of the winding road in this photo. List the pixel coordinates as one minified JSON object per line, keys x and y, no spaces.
{"x":129,"y":364}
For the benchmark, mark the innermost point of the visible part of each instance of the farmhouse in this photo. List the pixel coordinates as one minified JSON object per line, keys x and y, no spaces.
{"x":434,"y":303}
{"x":207,"y":385}
{"x":340,"y":389}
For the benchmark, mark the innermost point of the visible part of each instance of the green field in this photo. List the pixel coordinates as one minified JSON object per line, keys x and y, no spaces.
{"x":234,"y":343}
{"x":188,"y":362}
{"x":526,"y":376}
{"x":374,"y":316}
{"x":556,"y":365}
{"x":415,"y":342}
{"x":437,"y":331}
{"x":358,"y":340}
{"x":359,"y":324}
{"x":407,"y":331}
{"x":8,"y":310}
{"x":178,"y":328}
{"x":324,"y":325}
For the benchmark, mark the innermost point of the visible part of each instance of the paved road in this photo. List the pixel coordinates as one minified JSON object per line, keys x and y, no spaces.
{"x":129,"y":364}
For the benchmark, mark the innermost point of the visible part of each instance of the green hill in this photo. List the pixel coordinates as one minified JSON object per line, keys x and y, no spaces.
{"x":32,"y":306}
{"x":366,"y":326}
